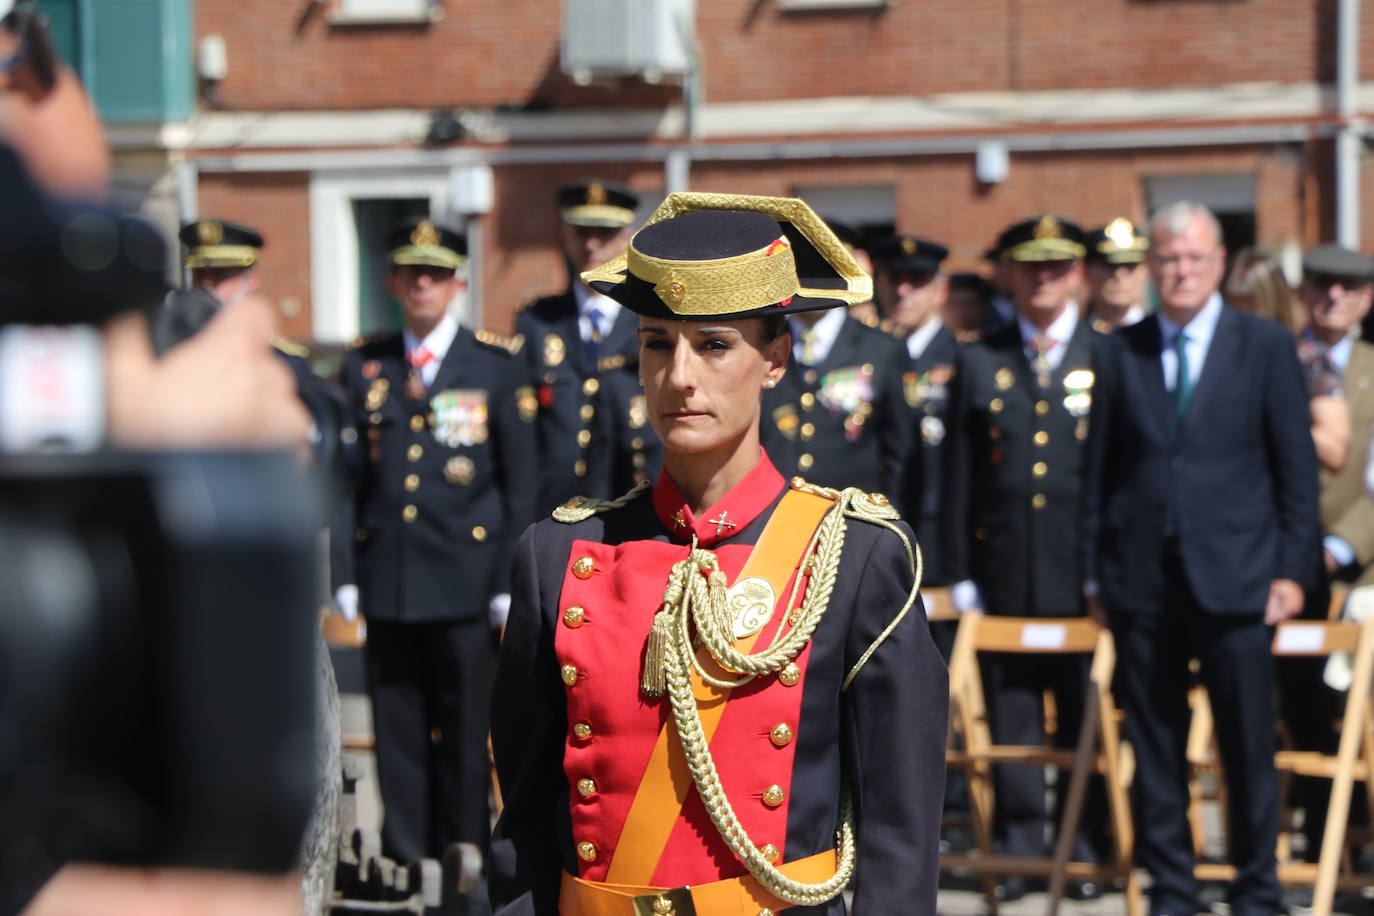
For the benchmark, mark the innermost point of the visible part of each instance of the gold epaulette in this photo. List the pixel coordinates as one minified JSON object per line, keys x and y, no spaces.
{"x":290,"y":347}
{"x":581,"y":508}
{"x":864,"y":505}
{"x":510,"y":343}
{"x":374,"y":337}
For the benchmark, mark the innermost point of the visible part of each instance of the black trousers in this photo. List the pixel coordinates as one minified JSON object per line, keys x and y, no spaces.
{"x":1014,"y":687}
{"x":1153,"y":651}
{"x":430,"y":684}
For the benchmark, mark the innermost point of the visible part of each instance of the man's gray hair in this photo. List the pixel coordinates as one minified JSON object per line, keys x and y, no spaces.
{"x":1174,"y":219}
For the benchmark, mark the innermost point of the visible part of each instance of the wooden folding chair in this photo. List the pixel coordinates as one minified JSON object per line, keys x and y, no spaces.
{"x":1353,"y":761}
{"x":1099,"y":751}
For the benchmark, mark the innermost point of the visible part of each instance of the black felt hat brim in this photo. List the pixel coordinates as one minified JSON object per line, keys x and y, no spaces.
{"x":639,"y":297}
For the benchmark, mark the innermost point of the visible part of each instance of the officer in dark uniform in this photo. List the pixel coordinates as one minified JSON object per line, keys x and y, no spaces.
{"x":583,"y":357}
{"x":838,"y":416}
{"x":1116,"y":275}
{"x":1018,"y":418}
{"x":914,"y":292}
{"x":447,"y":429}
{"x":222,"y":260}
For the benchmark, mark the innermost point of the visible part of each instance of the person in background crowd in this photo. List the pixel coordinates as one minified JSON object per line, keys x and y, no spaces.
{"x":968,"y":306}
{"x":847,"y":693}
{"x":1116,"y":276}
{"x":909,"y":280}
{"x":1256,"y":284}
{"x":1336,"y":292}
{"x":839,"y":417}
{"x":1018,"y":419}
{"x":594,"y":436}
{"x":856,"y":240}
{"x":447,"y":425}
{"x":1198,"y":525}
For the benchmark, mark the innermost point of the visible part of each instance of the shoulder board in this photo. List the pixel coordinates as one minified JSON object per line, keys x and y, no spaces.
{"x":860,"y":504}
{"x":510,"y":343}
{"x":581,"y":508}
{"x":611,"y":363}
{"x":290,"y":347}
{"x":373,"y":338}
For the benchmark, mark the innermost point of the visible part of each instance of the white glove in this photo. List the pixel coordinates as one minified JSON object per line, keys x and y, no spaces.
{"x":346,"y":599}
{"x":966,"y":598}
{"x":498,"y":610}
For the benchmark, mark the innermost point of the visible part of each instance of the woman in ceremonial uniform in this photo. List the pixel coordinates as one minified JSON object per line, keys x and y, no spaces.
{"x":717,"y":694}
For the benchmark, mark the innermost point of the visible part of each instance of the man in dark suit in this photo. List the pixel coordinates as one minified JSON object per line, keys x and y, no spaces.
{"x":448,"y":432}
{"x":1199,"y":528}
{"x":914,"y":292}
{"x":583,"y":357}
{"x":1018,"y":419}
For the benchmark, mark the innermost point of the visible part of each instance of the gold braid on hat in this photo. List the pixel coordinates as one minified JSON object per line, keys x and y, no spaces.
{"x":742,"y":282}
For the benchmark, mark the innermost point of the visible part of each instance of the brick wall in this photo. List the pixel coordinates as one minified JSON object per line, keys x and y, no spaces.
{"x":277,"y":205}
{"x":505,"y":52}
{"x":936,"y":197}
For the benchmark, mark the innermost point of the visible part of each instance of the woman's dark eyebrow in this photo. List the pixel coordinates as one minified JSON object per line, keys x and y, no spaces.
{"x":651,"y":330}
{"x":716,"y":332}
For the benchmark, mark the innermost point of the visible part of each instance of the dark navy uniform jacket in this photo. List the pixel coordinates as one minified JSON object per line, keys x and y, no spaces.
{"x":884,"y":736}
{"x":843,"y":422}
{"x":594,"y":434}
{"x":1013,"y":467}
{"x":927,"y":384}
{"x":446,"y":486}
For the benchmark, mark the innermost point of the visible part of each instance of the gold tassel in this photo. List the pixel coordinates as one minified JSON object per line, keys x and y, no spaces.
{"x":720,"y":616}
{"x":653,"y":680}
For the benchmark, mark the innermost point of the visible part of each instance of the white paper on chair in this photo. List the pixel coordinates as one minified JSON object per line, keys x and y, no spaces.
{"x":1301,"y":637}
{"x":1044,"y":636}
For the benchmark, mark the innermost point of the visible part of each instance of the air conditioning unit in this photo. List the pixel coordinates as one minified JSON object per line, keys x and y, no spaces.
{"x":650,"y":39}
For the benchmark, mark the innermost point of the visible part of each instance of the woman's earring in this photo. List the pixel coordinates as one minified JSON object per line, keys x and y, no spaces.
{"x":641,"y":383}
{"x":770,"y":384}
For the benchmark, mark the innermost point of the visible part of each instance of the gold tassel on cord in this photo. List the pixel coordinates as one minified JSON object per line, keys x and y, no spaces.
{"x":653,"y":680}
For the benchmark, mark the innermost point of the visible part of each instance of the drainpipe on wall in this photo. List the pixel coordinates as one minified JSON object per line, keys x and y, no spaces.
{"x":188,"y":204}
{"x":677,"y":167}
{"x":1350,"y":133}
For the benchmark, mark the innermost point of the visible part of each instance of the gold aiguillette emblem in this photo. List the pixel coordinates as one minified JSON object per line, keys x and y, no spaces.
{"x":751,"y":604}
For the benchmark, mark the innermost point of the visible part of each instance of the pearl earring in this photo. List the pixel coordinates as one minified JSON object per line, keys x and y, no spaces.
{"x":770,"y":384}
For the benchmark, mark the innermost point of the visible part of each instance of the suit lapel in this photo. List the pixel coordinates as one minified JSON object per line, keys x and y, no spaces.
{"x":1146,"y":342}
{"x":1077,"y":355}
{"x":842,"y":351}
{"x":1223,"y":353}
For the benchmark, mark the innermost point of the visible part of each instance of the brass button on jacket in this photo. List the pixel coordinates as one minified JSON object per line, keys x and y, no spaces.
{"x":584,"y":567}
{"x":569,"y":674}
{"x":781,"y":735}
{"x":574,"y":616}
{"x":586,"y":851}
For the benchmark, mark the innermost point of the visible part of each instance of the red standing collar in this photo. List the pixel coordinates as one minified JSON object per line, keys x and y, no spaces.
{"x":745,"y":502}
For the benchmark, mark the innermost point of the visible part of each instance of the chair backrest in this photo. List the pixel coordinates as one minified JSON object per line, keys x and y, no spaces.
{"x":1309,"y":638}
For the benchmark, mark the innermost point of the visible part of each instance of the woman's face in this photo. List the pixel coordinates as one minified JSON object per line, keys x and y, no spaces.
{"x":703,"y":380}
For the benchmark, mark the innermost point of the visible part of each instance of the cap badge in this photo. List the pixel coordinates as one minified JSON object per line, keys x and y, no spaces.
{"x":209,"y":232}
{"x":596,"y":195}
{"x":908,"y":246}
{"x":425,"y":235}
{"x":671,"y":290}
{"x":1048,"y":228}
{"x":1120,"y":232}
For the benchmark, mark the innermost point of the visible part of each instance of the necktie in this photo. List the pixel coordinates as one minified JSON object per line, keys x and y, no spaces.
{"x":809,"y":346}
{"x":596,"y":320}
{"x":415,"y":384}
{"x":1042,"y":344}
{"x":1183,"y":381}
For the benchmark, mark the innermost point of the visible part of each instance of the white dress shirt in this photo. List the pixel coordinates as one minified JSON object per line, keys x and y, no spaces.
{"x":1060,"y":330}
{"x":825,"y":330}
{"x":921,"y":337}
{"x":589,"y":301}
{"x":436,"y":341}
{"x":1199,"y":331}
